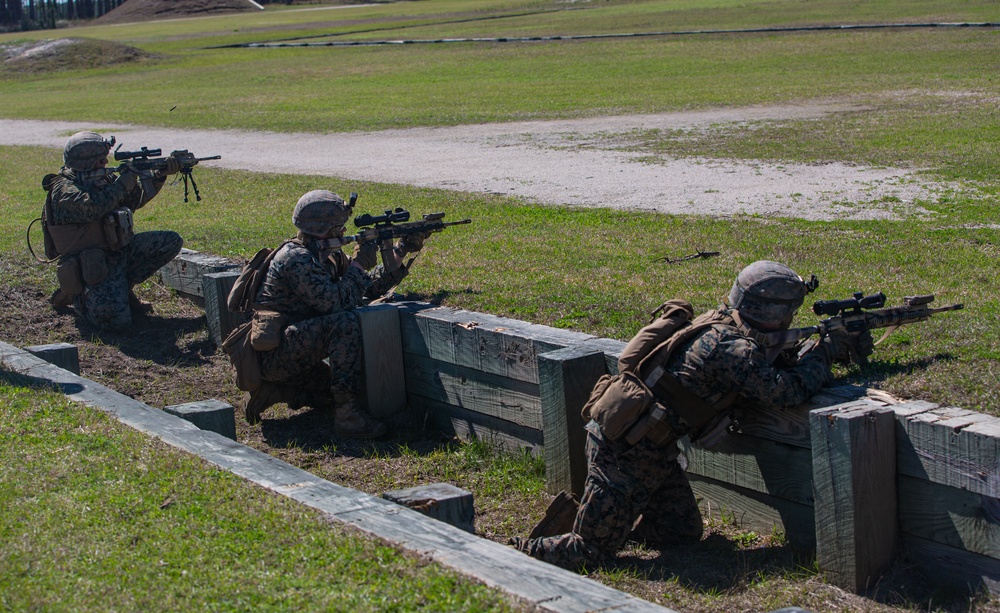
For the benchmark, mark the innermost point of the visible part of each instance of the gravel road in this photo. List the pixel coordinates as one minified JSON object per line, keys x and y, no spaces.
{"x":552,"y":162}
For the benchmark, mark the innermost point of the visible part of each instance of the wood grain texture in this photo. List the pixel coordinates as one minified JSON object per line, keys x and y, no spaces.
{"x":184,"y":272}
{"x":384,"y":387}
{"x":854,"y":479}
{"x":502,"y":397}
{"x":950,"y":516}
{"x":566,"y":378}
{"x":215,"y":287}
{"x":951,"y":567}
{"x":778,"y":469}
{"x":951,"y":447}
{"x":466,"y":425}
{"x":755,"y":511}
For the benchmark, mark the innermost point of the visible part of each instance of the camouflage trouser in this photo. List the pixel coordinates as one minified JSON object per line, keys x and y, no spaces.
{"x":105,"y":304}
{"x":624,"y":482}
{"x":298,"y":359}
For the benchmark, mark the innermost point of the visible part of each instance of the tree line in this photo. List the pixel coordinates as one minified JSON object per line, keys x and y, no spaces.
{"x":42,"y":14}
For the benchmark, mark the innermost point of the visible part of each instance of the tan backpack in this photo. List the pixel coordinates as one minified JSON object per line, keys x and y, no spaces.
{"x":623,"y":404}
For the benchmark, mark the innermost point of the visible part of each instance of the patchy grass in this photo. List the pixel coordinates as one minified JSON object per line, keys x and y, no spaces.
{"x":88,"y":503}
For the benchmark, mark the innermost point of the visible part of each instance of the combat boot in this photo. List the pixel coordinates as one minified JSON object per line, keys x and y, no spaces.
{"x":60,"y":300}
{"x":259,"y":400}
{"x":351,"y":422}
{"x":137,"y":304}
{"x":559,"y":517}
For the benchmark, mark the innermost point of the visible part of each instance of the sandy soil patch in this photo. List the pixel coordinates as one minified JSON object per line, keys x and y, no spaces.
{"x":538,"y":162}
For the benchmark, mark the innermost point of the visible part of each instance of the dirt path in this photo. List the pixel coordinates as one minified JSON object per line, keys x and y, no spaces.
{"x":552,"y":162}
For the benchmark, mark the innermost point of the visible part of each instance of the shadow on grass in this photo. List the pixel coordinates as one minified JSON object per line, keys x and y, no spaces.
{"x":17,"y":379}
{"x":311,"y":430}
{"x":156,"y":339}
{"x":716,"y":564}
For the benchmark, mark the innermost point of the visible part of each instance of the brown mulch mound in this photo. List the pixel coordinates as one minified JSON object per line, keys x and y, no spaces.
{"x":149,"y":10}
{"x":73,"y":53}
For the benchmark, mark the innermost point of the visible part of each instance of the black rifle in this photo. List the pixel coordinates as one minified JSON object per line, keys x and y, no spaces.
{"x":858,"y":314}
{"x":393,"y":224}
{"x":147,"y":161}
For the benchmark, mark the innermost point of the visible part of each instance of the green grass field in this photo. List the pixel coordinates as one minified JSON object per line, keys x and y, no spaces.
{"x":928,"y":99}
{"x":97,"y":517}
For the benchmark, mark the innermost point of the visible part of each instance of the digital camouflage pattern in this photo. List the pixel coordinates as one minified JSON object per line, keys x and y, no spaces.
{"x":87,"y":196}
{"x":626,"y":482}
{"x":317,"y":294}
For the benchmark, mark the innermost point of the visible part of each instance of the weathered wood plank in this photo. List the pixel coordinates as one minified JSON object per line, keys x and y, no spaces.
{"x":950,"y":516}
{"x":508,"y":399}
{"x":63,"y":355}
{"x":185,"y":271}
{"x":951,"y":567}
{"x":212,"y":415}
{"x":952,"y":447}
{"x":566,"y":377}
{"x":442,"y":501}
{"x":384,"y":389}
{"x":497,"y":345}
{"x":467,"y":425}
{"x":215,"y":287}
{"x":791,"y":424}
{"x":778,"y":469}
{"x":755,"y":511}
{"x":854,"y":477}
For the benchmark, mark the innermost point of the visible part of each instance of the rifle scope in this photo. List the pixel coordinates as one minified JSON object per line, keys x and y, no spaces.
{"x":833,"y":308}
{"x":390,"y":217}
{"x":144,"y":153}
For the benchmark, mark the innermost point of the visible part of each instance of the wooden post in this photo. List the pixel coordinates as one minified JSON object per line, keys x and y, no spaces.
{"x":221,"y":321}
{"x":212,"y":415}
{"x":854,"y":487}
{"x":63,"y":355}
{"x":565,"y":379}
{"x":442,"y":501}
{"x":384,"y":389}
{"x":184,"y":272}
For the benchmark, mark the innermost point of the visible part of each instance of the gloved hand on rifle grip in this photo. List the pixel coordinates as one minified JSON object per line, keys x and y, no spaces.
{"x":128,"y":179}
{"x":412,"y":243}
{"x":173,"y":166}
{"x":860,"y":347}
{"x":391,"y":259}
{"x":366,"y":255}
{"x":835,"y":346}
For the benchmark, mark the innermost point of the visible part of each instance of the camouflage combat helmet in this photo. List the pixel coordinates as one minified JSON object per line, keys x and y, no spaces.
{"x":318,"y":211}
{"x":767,"y":294}
{"x":85,"y":150}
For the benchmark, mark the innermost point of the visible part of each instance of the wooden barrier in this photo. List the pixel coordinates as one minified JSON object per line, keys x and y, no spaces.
{"x":184,"y":273}
{"x":822,"y":478}
{"x":854,"y":480}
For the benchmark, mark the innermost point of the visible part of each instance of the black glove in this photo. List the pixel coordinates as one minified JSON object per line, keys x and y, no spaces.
{"x":412,"y":243}
{"x":860,"y":347}
{"x":173,"y":166}
{"x":366,"y":255}
{"x":128,"y":180}
{"x":835,"y":346}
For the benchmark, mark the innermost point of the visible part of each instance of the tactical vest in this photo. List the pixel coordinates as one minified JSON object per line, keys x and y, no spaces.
{"x":644,"y":399}
{"x":80,"y":248}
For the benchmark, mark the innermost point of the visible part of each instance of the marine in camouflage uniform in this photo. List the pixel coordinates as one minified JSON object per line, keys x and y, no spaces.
{"x":725,"y":366}
{"x":85,"y":191}
{"x":315,"y":287}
